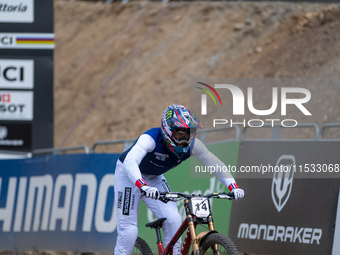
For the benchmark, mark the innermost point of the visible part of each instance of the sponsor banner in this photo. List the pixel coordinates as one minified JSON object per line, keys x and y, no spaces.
{"x":23,"y":75}
{"x":15,"y":136}
{"x":16,"y":74}
{"x":26,"y":52}
{"x":26,"y":40}
{"x":58,"y":202}
{"x":16,"y":105}
{"x":285,"y":214}
{"x":16,"y":11}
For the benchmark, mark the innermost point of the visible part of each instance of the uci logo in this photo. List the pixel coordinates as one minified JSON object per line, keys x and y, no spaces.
{"x":283,"y":181}
{"x":12,"y":73}
{"x":238,"y":99}
{"x":16,"y":73}
{"x":6,"y":40}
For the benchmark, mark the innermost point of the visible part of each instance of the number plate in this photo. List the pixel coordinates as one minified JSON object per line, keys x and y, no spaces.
{"x":200,"y":207}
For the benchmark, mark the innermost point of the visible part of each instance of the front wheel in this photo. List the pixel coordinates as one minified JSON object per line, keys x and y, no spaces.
{"x":223,"y":243}
{"x":141,"y":247}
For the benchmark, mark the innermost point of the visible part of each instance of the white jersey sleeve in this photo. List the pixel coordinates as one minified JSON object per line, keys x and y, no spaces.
{"x":144,"y":144}
{"x":201,"y":152}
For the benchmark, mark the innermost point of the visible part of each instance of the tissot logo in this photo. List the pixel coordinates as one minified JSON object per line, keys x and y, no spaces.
{"x":283,"y":181}
{"x":5,"y":98}
{"x":16,"y":74}
{"x":15,"y":11}
{"x":16,"y":105}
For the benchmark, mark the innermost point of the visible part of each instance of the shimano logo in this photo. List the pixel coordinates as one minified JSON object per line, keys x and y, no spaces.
{"x":36,"y":204}
{"x":12,"y":8}
{"x":279,"y":233}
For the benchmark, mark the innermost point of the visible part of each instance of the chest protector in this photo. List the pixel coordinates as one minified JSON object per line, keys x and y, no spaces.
{"x":160,"y":159}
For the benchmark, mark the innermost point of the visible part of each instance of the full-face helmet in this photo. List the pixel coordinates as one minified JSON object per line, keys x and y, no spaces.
{"x":179,"y":127}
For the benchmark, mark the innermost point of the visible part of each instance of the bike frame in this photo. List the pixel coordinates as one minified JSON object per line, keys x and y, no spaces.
{"x":190,"y":224}
{"x":169,"y":247}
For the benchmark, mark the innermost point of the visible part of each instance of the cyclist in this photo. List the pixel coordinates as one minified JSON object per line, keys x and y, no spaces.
{"x":141,"y":168}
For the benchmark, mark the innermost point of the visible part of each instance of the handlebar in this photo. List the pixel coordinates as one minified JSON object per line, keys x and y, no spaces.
{"x":167,"y":196}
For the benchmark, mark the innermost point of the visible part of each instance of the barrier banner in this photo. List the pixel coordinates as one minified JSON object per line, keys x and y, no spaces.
{"x":58,"y":202}
{"x":289,"y":212}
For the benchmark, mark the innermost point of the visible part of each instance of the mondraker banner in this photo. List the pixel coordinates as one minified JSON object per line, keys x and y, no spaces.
{"x":284,"y":213}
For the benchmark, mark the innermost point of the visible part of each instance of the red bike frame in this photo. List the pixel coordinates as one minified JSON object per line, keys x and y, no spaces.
{"x":186,"y":243}
{"x":189,"y":223}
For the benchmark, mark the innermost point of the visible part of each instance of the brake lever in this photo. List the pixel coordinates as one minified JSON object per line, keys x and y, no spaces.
{"x":164,"y":199}
{"x":230,"y":195}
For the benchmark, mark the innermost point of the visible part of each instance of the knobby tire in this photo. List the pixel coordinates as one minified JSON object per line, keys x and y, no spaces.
{"x":141,"y":247}
{"x":225,"y":244}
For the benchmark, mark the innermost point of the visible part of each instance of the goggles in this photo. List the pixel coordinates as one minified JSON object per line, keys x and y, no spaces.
{"x":183,"y":136}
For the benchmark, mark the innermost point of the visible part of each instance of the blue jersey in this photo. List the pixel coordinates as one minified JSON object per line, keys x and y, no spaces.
{"x":160,"y":159}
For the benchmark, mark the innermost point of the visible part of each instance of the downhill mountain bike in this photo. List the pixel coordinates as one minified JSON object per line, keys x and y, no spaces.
{"x":198,"y":211}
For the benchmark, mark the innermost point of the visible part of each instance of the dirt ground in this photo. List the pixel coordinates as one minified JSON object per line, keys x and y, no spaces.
{"x":117,"y":67}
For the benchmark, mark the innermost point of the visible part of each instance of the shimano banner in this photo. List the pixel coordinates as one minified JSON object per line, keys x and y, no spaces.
{"x":58,"y":202}
{"x":287,"y":213}
{"x":26,"y":52}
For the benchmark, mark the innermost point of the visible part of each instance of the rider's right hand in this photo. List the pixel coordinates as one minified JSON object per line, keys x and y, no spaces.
{"x":238,"y":193}
{"x":150,"y":192}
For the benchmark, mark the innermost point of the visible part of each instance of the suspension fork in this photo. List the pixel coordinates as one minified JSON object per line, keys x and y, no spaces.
{"x":191,"y":226}
{"x":211,"y":228}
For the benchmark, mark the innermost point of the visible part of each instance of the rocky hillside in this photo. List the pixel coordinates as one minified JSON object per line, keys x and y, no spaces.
{"x":118,"y":66}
